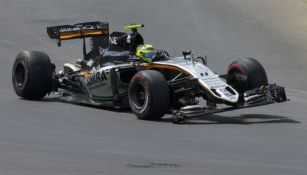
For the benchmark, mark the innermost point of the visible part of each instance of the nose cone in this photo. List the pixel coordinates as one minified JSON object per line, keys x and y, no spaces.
{"x":228,"y":94}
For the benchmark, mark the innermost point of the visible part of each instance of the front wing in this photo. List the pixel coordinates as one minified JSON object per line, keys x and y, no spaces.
{"x":256,"y":97}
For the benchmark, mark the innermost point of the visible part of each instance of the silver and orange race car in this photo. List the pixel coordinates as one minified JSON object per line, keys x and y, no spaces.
{"x":121,"y":71}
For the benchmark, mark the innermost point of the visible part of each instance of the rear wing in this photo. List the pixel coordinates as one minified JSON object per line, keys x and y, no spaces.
{"x":80,"y":30}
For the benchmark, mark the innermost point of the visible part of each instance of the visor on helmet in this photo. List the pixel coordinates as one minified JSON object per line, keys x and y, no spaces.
{"x":149,"y":54}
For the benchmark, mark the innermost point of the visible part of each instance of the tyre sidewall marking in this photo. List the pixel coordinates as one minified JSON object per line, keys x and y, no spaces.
{"x":143,"y":80}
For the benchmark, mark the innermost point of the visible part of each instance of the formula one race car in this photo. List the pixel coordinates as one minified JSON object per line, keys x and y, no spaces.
{"x":121,"y":71}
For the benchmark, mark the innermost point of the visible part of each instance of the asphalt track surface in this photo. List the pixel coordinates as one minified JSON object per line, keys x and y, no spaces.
{"x":50,"y":137}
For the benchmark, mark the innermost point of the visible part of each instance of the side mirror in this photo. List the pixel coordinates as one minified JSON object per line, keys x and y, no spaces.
{"x":187,"y":52}
{"x":203,"y":60}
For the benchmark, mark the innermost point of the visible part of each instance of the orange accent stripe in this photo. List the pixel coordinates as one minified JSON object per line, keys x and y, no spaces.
{"x":86,"y":74}
{"x":84,"y":33}
{"x":161,"y":66}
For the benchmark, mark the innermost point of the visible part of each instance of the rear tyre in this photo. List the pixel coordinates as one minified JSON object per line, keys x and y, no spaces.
{"x":148,"y":95}
{"x":32,"y":75}
{"x":254,"y":71}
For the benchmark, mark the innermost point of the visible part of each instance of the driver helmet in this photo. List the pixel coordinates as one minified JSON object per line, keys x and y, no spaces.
{"x":146,"y":52}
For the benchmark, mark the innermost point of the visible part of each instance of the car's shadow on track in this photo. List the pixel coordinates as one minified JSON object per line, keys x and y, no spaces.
{"x":243,"y":119}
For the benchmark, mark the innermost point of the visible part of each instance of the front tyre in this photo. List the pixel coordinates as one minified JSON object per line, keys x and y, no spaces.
{"x":255,"y":75}
{"x":148,"y":95}
{"x":32,"y":75}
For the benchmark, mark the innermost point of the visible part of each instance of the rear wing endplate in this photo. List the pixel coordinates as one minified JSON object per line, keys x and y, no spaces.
{"x":80,"y":30}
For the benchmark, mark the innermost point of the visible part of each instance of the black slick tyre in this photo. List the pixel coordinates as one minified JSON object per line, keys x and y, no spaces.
{"x":148,"y":95}
{"x":254,"y":71}
{"x":32,"y":75}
